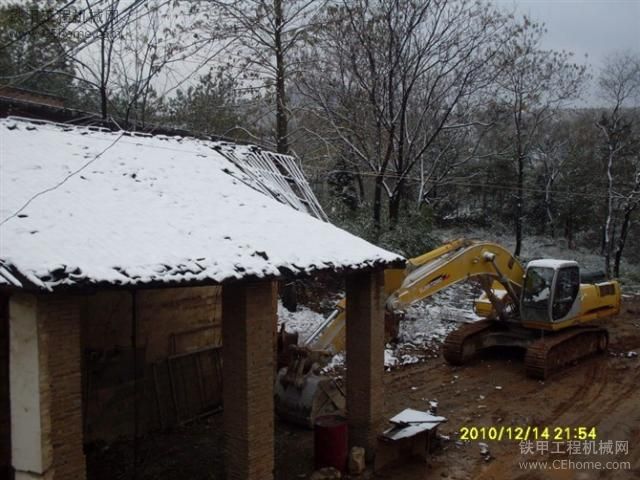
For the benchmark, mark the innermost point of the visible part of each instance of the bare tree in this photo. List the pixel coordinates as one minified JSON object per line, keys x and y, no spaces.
{"x":261,"y":38}
{"x":391,"y":77}
{"x":629,"y":204}
{"x":149,"y":47}
{"x":552,"y":151}
{"x":619,"y":84}
{"x":535,"y":84}
{"x":108,"y":23}
{"x":136,"y":45}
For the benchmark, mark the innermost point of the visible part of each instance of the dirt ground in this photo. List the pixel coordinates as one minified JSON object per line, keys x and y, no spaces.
{"x":601,"y":392}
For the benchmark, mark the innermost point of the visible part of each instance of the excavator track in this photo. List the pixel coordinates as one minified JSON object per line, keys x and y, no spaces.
{"x":551,"y":354}
{"x":461,"y":344}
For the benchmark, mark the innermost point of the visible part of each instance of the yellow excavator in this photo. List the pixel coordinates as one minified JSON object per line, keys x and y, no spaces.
{"x":546,"y":309}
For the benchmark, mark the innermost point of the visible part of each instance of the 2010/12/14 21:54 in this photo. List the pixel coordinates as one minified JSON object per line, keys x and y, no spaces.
{"x":520,"y":433}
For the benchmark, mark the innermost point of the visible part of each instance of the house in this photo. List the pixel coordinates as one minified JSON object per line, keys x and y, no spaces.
{"x":10,"y":93}
{"x":120,"y":252}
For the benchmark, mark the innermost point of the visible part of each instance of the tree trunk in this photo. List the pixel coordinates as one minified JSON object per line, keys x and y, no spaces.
{"x":103,"y":102}
{"x":282,"y":143}
{"x":609,"y":212}
{"x":361,"y":192}
{"x":519,"y":205}
{"x":394,"y":205}
{"x":377,"y":203}
{"x":624,"y":230}
{"x":103,"y":78}
{"x":568,"y":230}
{"x":548,"y":206}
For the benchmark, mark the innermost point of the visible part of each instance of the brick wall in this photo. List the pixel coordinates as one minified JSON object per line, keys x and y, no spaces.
{"x":248,"y":323}
{"x":66,"y":325}
{"x":169,"y":321}
{"x":5,"y":412}
{"x":178,"y":320}
{"x":30,"y":96}
{"x":192,"y":316}
{"x":60,"y":359}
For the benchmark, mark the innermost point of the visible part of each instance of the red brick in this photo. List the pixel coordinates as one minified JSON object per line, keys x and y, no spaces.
{"x":365,"y":358}
{"x":248,"y":312}
{"x":61,"y":385}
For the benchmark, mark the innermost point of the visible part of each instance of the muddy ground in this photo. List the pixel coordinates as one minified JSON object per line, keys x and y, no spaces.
{"x":601,"y":392}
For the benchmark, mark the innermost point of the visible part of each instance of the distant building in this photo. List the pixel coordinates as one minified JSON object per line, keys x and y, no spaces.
{"x":15,"y":93}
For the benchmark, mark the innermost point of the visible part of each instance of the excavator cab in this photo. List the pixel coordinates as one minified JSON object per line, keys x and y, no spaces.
{"x":550,"y":291}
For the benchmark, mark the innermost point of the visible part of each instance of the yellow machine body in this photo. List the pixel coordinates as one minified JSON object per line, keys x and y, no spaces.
{"x":498,"y":272}
{"x":518,"y":304}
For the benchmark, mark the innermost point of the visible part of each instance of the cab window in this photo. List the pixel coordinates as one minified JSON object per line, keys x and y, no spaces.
{"x":537,"y":288}
{"x":566,"y":291}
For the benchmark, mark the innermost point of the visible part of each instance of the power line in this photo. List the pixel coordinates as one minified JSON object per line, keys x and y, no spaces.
{"x":495,"y":186}
{"x":62,"y":182}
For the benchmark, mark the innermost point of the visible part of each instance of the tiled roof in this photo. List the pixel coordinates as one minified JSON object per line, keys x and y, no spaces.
{"x":83,"y":206}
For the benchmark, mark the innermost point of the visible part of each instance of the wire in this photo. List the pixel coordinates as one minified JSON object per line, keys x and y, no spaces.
{"x":445,"y":183}
{"x":38,"y":25}
{"x":62,"y":182}
{"x":494,"y":186}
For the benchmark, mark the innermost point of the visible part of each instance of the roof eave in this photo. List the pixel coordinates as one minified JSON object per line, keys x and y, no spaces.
{"x":84,"y":286}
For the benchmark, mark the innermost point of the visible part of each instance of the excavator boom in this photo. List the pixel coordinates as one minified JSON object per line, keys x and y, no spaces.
{"x":457,"y":261}
{"x":500,"y":274}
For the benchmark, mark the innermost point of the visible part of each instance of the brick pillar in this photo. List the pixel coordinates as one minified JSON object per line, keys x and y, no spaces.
{"x":248,"y":311}
{"x":5,"y":411}
{"x":365,"y":358}
{"x":45,"y":383}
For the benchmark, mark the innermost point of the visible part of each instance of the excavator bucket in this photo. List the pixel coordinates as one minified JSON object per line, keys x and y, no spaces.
{"x":302,"y":394}
{"x":318,"y":395}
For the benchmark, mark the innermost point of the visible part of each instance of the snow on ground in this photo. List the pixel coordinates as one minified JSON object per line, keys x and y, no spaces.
{"x":304,"y":321}
{"x":432,"y":319}
{"x":427,"y":323}
{"x":423,"y":328}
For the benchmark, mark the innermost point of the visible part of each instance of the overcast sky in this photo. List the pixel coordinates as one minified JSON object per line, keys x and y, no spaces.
{"x":593,"y":27}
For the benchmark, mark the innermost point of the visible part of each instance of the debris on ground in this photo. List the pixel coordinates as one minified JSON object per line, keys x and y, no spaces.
{"x":356,"y":461}
{"x":484,"y":451}
{"x":327,"y":473}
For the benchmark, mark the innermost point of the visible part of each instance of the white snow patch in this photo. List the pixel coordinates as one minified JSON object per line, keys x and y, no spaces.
{"x":427,"y":323}
{"x":303,"y":320}
{"x":390,"y":360}
{"x":337,"y":361}
{"x":432,"y":320}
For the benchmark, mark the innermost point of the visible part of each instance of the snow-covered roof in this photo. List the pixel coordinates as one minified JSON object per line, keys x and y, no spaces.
{"x":87,"y":206}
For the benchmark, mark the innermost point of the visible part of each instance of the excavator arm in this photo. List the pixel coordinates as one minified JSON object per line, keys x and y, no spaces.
{"x":492,"y":265}
{"x":499,"y":273}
